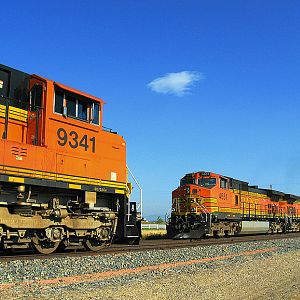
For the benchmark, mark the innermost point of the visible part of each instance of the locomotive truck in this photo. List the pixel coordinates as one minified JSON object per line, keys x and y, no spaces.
{"x":63,"y":176}
{"x":208,"y":204}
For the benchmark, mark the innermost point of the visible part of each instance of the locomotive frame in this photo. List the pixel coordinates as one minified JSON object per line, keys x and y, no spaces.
{"x":208,"y":204}
{"x":63,"y":175}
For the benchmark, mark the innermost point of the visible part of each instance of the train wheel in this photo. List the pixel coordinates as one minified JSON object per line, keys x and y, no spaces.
{"x":43,"y":245}
{"x":94,"y":244}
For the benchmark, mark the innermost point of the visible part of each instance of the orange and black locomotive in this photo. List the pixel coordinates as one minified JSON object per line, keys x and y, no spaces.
{"x":209,"y":204}
{"x":63,"y":175}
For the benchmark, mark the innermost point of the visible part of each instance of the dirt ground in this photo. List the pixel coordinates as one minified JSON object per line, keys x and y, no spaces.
{"x":253,"y":277}
{"x":277,"y":277}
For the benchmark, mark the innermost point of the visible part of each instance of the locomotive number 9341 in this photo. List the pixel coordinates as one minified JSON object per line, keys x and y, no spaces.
{"x":75,"y":141}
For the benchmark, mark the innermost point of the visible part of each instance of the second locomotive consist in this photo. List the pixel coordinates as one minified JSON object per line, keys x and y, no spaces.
{"x":63,"y":177}
{"x":209,"y":204}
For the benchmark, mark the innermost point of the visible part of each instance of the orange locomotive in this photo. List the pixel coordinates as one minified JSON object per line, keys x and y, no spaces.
{"x":63,"y":176}
{"x":208,"y":204}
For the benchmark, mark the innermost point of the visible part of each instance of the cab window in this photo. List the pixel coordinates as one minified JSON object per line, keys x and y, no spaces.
{"x":82,"y":110}
{"x":59,"y":102}
{"x":95,"y":113}
{"x":223,"y":183}
{"x":71,"y":106}
{"x":207,"y":182}
{"x":36,"y":95}
{"x":76,"y":107}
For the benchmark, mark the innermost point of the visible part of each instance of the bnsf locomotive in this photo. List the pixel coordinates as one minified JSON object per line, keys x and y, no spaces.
{"x":208,"y":204}
{"x":63,"y":177}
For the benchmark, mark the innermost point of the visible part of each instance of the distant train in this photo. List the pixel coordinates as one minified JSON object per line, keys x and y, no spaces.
{"x":209,"y":204}
{"x":63,"y":176}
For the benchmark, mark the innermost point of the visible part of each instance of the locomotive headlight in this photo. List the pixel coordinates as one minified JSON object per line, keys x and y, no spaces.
{"x":193,"y":209}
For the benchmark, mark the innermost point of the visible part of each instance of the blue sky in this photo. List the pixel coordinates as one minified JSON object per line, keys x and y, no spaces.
{"x":229,"y":97}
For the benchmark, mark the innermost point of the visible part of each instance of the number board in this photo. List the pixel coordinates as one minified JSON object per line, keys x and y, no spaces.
{"x":204,"y":173}
{"x":74,"y":140}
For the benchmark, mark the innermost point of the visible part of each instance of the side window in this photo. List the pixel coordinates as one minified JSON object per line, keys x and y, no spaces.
{"x":74,"y":107}
{"x":59,"y":102}
{"x":95,"y":113}
{"x":82,"y":110}
{"x":236,"y":200}
{"x":223,"y":183}
{"x":71,"y":106}
{"x":36,"y":94}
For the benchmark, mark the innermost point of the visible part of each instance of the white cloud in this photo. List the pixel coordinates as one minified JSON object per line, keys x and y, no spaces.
{"x":177,"y":84}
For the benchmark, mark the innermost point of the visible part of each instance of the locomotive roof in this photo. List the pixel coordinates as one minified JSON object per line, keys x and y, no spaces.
{"x":244,"y":185}
{"x":17,"y":77}
{"x":64,"y":87}
{"x":72,"y":90}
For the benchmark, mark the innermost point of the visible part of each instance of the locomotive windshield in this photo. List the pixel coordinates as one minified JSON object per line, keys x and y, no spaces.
{"x":185,"y":181}
{"x":207,"y":182}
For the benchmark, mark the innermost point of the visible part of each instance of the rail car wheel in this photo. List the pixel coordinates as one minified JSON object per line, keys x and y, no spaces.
{"x":94,"y":244}
{"x":43,"y":245}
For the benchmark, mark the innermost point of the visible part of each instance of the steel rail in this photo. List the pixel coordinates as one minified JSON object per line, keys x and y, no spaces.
{"x":159,"y":244}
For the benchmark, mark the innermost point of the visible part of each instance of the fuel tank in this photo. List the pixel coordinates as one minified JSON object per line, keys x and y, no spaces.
{"x":251,"y":227}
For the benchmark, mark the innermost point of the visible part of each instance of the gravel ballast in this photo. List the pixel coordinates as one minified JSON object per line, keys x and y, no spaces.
{"x":237,"y":271}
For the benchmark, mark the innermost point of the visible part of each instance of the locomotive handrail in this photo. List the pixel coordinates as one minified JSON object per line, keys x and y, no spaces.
{"x":255,"y":210}
{"x":141,"y":191}
{"x":265,"y":211}
{"x":107,"y":129}
{"x":205,"y":211}
{"x":6,"y":118}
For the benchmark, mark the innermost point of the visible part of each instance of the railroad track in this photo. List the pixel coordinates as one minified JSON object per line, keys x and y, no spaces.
{"x":159,"y":244}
